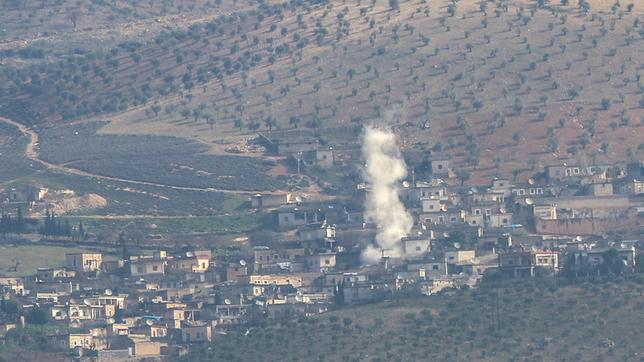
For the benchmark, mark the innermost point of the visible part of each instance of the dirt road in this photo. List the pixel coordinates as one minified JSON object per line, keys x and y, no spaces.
{"x":32,"y":153}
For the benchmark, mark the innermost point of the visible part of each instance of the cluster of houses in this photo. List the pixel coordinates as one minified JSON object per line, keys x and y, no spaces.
{"x":157,"y":304}
{"x":37,"y":200}
{"x":27,"y":196}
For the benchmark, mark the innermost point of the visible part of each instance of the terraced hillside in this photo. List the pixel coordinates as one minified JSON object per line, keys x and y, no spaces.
{"x":498,"y":85}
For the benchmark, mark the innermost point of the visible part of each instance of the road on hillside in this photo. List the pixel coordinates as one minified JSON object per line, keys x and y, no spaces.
{"x":31,"y":152}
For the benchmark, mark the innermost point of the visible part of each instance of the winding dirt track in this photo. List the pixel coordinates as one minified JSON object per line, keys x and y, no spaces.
{"x":31,"y":152}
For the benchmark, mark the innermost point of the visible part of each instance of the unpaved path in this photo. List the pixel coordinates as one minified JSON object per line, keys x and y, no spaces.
{"x":32,"y":153}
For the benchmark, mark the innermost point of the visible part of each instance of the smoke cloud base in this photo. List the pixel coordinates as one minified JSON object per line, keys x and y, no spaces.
{"x":384,"y":170}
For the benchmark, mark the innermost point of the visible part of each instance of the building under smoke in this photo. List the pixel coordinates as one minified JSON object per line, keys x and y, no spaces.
{"x":384,"y":171}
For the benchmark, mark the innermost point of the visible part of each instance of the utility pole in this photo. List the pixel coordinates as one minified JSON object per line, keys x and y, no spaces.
{"x":299,"y":159}
{"x":498,"y":312}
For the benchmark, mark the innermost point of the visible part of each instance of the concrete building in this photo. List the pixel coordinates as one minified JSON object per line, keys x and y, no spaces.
{"x":84,"y":262}
{"x":566,"y":172}
{"x":147,"y":266}
{"x":259,"y":201}
{"x":600,"y":189}
{"x":524,"y":263}
{"x":413,"y":247}
{"x":196,"y":333}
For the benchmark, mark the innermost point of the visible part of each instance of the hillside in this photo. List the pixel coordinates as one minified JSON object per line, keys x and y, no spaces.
{"x":68,"y":23}
{"x":499,"y":86}
{"x":535,"y":321}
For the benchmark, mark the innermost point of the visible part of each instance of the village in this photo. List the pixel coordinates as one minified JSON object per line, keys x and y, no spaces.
{"x":569,"y":220}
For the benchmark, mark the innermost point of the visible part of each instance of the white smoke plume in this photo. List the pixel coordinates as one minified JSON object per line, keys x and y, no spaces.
{"x":384,"y":170}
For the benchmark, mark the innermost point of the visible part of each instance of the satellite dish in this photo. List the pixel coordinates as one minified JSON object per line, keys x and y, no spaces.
{"x":529,"y":201}
{"x":149,"y":322}
{"x":457,"y":245}
{"x":108,"y":292}
{"x":110,"y":320}
{"x":502,"y":210}
{"x":242,"y":262}
{"x":227,"y":302}
{"x":298,"y":199}
{"x":406,"y":184}
{"x":530,"y":181}
{"x":190,"y":254}
{"x":87,"y":301}
{"x":578,"y":238}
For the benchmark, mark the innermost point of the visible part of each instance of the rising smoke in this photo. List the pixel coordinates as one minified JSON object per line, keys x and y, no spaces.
{"x":384,"y":170}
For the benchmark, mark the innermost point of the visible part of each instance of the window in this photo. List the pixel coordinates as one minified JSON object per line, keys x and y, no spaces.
{"x":477,"y":212}
{"x":139,"y":269}
{"x":505,"y":220}
{"x":155,"y":267}
{"x":440,"y":167}
{"x":488,"y":212}
{"x":434,"y":267}
{"x":327,"y":261}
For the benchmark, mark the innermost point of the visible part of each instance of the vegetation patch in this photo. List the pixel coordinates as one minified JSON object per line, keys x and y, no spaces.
{"x":525,"y":320}
{"x":156,"y":159}
{"x":24,"y":259}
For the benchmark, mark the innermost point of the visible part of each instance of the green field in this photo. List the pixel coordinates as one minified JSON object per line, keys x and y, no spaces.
{"x":536,"y":321}
{"x":215,"y":224}
{"x":158,"y":159}
{"x":123,"y":198}
{"x":32,"y":257}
